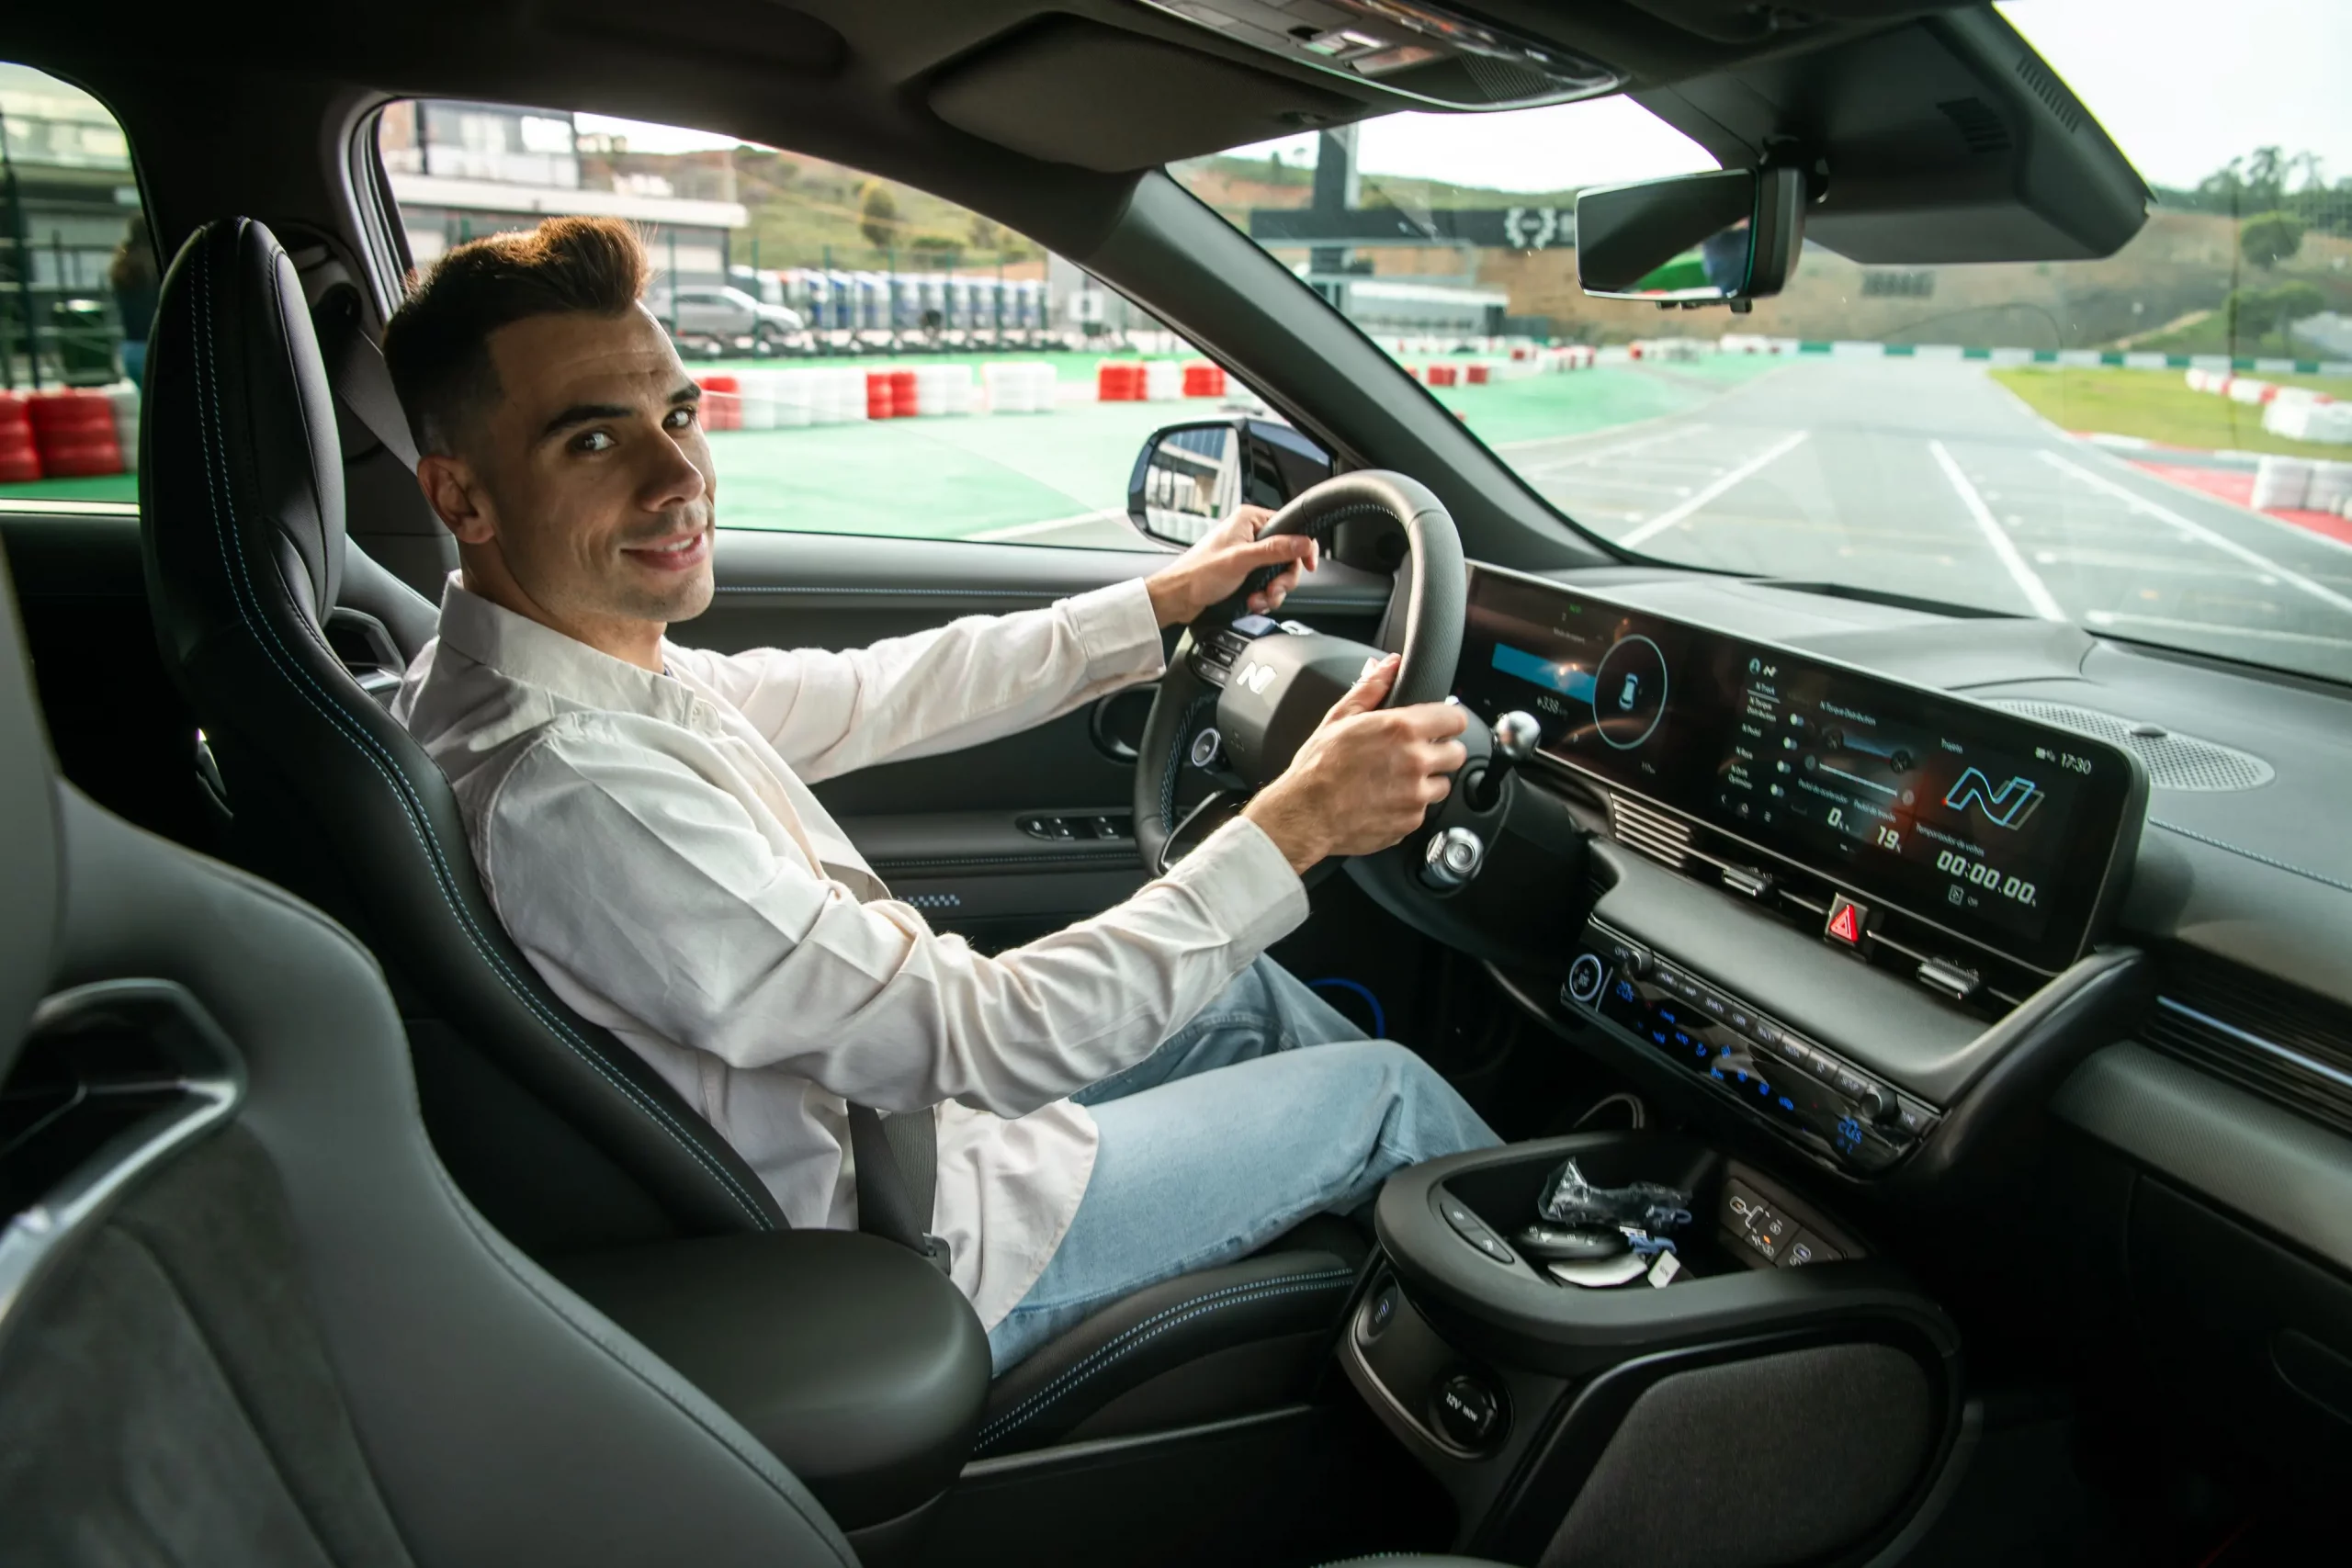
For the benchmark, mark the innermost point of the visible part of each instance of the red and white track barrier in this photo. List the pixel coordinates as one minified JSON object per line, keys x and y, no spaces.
{"x":73,"y":433}
{"x":1020,"y":386}
{"x":20,"y":456}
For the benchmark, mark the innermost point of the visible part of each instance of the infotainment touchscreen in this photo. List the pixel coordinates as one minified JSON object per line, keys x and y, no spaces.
{"x":1998,"y":827}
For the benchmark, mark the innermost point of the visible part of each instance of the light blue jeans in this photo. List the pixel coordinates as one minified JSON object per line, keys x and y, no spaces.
{"x":1266,"y":1108}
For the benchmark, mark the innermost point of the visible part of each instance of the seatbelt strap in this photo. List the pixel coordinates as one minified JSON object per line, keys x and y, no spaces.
{"x":360,"y":380}
{"x":898,"y":1178}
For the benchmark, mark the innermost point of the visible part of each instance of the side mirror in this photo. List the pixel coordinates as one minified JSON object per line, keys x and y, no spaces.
{"x":1189,"y":477}
{"x":1718,"y":239}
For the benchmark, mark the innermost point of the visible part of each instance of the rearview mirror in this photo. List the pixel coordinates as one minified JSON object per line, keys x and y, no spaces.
{"x":1190,"y":478}
{"x":1718,"y":239}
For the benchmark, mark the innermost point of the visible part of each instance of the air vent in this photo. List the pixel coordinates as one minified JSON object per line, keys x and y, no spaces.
{"x":1652,"y":833}
{"x":2292,"y":1049}
{"x":2175,"y":762}
{"x":2051,"y":92}
{"x":1978,"y":123}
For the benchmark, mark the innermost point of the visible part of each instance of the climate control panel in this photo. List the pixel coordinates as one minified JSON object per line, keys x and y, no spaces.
{"x":1832,"y":1109}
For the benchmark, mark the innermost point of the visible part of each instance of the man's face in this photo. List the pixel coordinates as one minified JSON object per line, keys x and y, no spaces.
{"x":588,"y":490}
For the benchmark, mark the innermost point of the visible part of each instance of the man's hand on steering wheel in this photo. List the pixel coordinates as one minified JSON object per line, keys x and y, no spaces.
{"x":1365,"y":777}
{"x":1214,"y":570}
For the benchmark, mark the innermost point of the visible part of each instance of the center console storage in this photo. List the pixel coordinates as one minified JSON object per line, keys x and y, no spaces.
{"x":1772,"y":1394}
{"x":857,"y":1363}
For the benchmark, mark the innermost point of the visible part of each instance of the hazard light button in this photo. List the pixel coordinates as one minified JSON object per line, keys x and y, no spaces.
{"x":1847,"y":920}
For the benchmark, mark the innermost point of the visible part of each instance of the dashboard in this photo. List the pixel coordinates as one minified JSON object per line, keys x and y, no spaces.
{"x":1985,"y":828}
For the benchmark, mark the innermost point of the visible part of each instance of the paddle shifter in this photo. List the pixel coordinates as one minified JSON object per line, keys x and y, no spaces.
{"x":1515,"y":737}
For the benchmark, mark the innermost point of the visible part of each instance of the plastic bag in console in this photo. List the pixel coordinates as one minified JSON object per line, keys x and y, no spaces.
{"x":1570,"y":1200}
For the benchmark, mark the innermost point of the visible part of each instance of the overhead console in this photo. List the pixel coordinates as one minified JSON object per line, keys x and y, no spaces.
{"x":1878,"y":891}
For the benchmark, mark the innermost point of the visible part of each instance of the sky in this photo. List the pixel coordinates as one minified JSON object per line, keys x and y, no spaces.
{"x":2182,"y":85}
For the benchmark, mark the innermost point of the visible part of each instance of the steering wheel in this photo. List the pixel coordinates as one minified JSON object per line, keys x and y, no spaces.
{"x":1261,"y":689}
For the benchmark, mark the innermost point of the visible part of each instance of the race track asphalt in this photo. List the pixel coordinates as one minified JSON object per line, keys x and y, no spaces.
{"x":1926,"y":479}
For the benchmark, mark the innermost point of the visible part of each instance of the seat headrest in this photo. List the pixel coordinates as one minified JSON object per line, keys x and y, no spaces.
{"x":241,"y":448}
{"x":28,"y":838}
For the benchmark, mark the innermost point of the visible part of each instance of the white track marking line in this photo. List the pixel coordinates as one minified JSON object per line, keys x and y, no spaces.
{"x":2318,"y":590}
{"x":1053,"y":524}
{"x":1669,"y":518}
{"x":2036,"y":592}
{"x":2125,"y":617}
{"x":1615,"y":449}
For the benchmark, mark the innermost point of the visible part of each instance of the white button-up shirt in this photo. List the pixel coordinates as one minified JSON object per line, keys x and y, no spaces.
{"x":651,"y":846}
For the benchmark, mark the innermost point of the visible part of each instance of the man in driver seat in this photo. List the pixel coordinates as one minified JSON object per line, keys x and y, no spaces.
{"x":1138,"y":1096}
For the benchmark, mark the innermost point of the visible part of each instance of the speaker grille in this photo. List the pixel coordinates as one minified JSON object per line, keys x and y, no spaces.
{"x":2053,"y":94}
{"x":2175,"y":762}
{"x":1652,"y":833}
{"x":1978,"y":125}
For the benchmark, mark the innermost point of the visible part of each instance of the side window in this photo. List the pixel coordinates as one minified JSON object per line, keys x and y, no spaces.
{"x":79,"y":279}
{"x":883,"y":362}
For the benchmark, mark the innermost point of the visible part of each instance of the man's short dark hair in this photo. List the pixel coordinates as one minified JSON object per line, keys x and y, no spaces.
{"x":438,"y":343}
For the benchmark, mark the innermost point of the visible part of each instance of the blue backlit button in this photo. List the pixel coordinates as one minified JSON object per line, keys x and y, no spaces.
{"x":1850,"y":1134}
{"x":1379,"y":1314}
{"x":1807,"y":1247}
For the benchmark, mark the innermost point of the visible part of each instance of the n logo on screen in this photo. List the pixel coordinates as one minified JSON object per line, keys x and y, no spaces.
{"x":2007,"y":806}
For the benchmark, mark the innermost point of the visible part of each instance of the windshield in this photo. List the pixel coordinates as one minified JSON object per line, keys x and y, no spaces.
{"x":2145,"y":445}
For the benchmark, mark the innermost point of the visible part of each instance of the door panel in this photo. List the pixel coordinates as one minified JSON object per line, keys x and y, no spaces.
{"x":946,"y":831}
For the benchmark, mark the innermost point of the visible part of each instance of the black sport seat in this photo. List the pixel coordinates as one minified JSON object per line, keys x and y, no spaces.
{"x":273,"y":626}
{"x":244,"y":1315}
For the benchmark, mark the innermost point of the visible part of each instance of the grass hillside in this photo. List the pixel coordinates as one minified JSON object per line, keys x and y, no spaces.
{"x":805,"y":211}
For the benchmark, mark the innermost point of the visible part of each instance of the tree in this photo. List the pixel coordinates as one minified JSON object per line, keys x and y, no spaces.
{"x":877,"y":216}
{"x":2252,"y":314}
{"x":2269,"y":237}
{"x":2266,"y":172}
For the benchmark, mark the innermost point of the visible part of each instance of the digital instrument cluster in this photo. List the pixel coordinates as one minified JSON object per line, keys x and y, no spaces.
{"x":2005,"y":831}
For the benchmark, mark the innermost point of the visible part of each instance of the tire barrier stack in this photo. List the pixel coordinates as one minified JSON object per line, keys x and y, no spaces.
{"x":74,"y":434}
{"x":788,"y":400}
{"x":125,"y":398}
{"x":1153,"y":382}
{"x":2301,"y":484}
{"x":2297,"y":414}
{"x":1202,"y":379}
{"x":1020,"y":387}
{"x":19,"y":457}
{"x":722,"y":402}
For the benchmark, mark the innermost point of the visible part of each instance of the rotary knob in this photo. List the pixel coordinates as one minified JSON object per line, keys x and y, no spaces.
{"x":1451,"y":859}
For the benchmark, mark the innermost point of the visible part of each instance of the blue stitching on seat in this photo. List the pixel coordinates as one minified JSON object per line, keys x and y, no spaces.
{"x":1157,"y":1325}
{"x":266,"y":637}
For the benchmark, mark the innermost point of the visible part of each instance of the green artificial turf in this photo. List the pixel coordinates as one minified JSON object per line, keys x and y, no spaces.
{"x":2156,"y":405}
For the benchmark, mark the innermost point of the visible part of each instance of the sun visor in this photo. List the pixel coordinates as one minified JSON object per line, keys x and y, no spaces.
{"x":1076,"y":92}
{"x":1944,"y":141}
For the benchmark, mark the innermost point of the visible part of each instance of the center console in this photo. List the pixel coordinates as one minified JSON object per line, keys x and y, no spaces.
{"x":1780,"y":1394}
{"x":1844,"y":1114}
